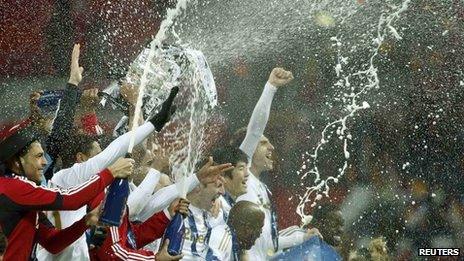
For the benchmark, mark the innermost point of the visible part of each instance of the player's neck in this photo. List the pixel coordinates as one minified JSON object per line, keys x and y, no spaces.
{"x":255,"y":171}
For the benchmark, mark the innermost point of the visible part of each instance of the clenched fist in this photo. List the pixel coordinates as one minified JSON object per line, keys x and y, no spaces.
{"x":280,"y":77}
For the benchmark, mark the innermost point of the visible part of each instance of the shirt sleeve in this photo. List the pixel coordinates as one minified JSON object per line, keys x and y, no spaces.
{"x":258,"y":120}
{"x":96,"y":201}
{"x":125,"y":253}
{"x":62,"y":124}
{"x":163,"y":197}
{"x":27,"y":195}
{"x":291,"y":237}
{"x":137,"y":198}
{"x":80,"y":172}
{"x":152,"y":229}
{"x":64,"y":119}
{"x":55,"y":240}
{"x":115,"y":248}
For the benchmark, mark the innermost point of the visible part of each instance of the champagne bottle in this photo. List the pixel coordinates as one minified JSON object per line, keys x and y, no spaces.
{"x":114,"y":206}
{"x":175,"y":233}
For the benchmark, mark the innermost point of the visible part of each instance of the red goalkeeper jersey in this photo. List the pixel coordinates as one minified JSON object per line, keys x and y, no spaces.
{"x":24,"y":225}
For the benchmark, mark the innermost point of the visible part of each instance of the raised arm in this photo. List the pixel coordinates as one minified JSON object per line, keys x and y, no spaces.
{"x":64,"y":119}
{"x":258,"y":121}
{"x":80,"y":172}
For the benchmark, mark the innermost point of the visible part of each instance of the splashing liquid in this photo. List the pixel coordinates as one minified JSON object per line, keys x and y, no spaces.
{"x":368,"y":80}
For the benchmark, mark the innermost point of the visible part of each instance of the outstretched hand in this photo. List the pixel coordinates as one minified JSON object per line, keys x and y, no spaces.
{"x":280,"y":77}
{"x":210,"y":172}
{"x":75,"y":76}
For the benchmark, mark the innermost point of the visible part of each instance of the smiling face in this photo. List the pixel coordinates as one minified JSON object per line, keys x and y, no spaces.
{"x":235,"y":180}
{"x":34,"y":162}
{"x":262,"y":158}
{"x":236,"y":183}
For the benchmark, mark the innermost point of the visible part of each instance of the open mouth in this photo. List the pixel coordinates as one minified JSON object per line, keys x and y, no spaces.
{"x":269,"y":157}
{"x":216,"y":197}
{"x":245,"y":180}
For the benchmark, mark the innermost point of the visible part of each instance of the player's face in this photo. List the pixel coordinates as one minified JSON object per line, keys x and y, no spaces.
{"x":34,"y":162}
{"x":237,"y":185}
{"x":262,"y":158}
{"x":211,"y":192}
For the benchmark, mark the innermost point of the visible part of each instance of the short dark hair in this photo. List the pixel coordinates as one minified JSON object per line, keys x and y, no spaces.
{"x":26,"y":148}
{"x":237,"y":137}
{"x":7,"y":164}
{"x":78,"y":142}
{"x":229,"y":154}
{"x":244,"y":213}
